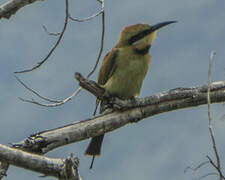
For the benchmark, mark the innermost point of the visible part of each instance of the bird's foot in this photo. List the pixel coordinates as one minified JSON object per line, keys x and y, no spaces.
{"x":120,"y":104}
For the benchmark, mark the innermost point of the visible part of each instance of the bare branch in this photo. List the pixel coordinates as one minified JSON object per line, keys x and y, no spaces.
{"x":91,"y":86}
{"x":56,"y":44}
{"x":50,"y":33}
{"x":54,"y":102}
{"x":87,"y":18}
{"x":216,"y":167}
{"x":34,"y":92}
{"x":208,"y":174}
{"x":12,"y":6}
{"x":210,"y":118}
{"x":59,"y":168}
{"x":130,"y":112}
{"x":57,"y":103}
{"x":102,"y":39}
{"x":196,"y":168}
{"x":3,"y":169}
{"x":61,"y":102}
{"x":32,"y":101}
{"x":177,"y":93}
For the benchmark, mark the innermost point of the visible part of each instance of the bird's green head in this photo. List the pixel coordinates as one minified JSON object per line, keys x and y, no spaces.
{"x":139,"y":34}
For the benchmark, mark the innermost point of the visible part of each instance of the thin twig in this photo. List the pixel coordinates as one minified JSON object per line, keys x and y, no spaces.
{"x":56,"y":44}
{"x":87,"y":18}
{"x":50,"y":33}
{"x":102,"y":39}
{"x":210,"y":119}
{"x":34,"y":92}
{"x":208,"y":174}
{"x":32,"y":101}
{"x":216,"y":167}
{"x":58,"y":102}
{"x":196,"y":168}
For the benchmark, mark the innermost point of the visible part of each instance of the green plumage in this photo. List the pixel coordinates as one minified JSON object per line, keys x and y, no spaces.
{"x":124,"y":68}
{"x":127,"y":72}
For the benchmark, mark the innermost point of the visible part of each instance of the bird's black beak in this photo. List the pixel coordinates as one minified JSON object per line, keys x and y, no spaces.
{"x":160,"y":25}
{"x":148,"y":31}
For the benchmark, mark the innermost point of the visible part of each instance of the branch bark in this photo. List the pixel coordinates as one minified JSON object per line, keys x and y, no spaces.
{"x":59,"y":168}
{"x":129,"y":111}
{"x":12,"y":6}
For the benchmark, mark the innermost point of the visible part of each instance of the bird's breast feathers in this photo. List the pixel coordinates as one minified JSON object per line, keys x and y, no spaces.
{"x":130,"y":71}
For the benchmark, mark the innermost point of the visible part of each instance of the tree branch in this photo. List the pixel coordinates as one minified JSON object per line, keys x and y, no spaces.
{"x":59,"y":168}
{"x":56,"y":43}
{"x":211,"y":132}
{"x":12,"y":6}
{"x":61,"y":102}
{"x":130,"y":111}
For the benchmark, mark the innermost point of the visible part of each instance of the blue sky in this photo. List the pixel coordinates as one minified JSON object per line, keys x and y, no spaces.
{"x":160,"y":147}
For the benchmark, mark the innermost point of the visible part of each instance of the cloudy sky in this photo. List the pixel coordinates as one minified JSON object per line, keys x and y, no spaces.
{"x":160,"y":147}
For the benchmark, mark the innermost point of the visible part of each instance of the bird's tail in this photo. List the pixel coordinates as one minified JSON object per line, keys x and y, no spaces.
{"x":94,"y":148}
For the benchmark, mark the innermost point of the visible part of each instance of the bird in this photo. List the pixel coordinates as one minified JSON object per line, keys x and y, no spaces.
{"x":124,"y":68}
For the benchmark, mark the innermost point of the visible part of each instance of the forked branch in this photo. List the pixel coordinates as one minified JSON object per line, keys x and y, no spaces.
{"x":128,"y":111}
{"x":63,"y":169}
{"x":12,"y":6}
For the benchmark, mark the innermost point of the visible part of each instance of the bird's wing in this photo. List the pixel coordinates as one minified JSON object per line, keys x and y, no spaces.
{"x":108,"y":66}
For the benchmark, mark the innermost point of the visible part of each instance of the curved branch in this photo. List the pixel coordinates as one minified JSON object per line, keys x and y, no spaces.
{"x":54,"y":103}
{"x":59,"y":168}
{"x":56,"y":44}
{"x":34,"y":92}
{"x":131,"y":111}
{"x":102,"y":40}
{"x":87,"y":18}
{"x":12,"y":6}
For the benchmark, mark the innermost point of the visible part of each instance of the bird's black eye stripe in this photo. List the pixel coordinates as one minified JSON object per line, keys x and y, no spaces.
{"x":139,"y":36}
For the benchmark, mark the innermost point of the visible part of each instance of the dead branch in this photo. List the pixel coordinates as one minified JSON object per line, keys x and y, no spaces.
{"x":129,"y":111}
{"x":87,"y":18}
{"x":34,"y":92}
{"x":59,"y":168}
{"x":3,"y":169}
{"x":102,"y":38}
{"x":218,"y":166}
{"x":56,"y":44}
{"x":90,"y":86}
{"x":12,"y":6}
{"x":54,"y":103}
{"x":50,"y":33}
{"x":194,"y":169}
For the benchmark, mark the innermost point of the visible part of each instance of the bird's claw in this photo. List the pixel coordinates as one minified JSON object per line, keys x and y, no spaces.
{"x":120,"y":104}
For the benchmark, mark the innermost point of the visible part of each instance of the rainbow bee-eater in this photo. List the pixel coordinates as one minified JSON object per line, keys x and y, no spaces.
{"x":124,"y":68}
